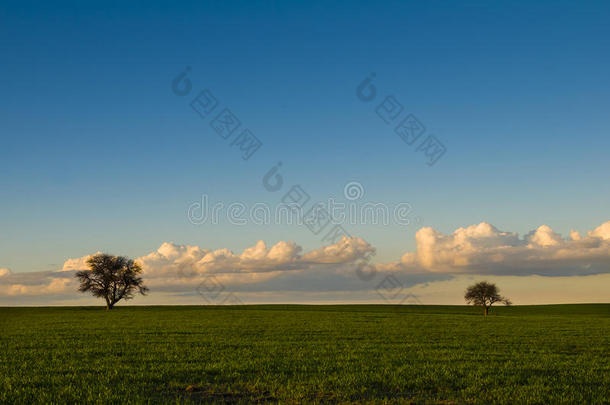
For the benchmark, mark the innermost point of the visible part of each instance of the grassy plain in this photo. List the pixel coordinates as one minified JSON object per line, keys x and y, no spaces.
{"x":306,"y":354}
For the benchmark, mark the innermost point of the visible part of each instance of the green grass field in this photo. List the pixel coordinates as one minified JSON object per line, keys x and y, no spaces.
{"x":306,"y":354}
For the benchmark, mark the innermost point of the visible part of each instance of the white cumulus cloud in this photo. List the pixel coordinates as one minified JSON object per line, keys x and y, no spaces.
{"x":172,"y":259}
{"x":79,"y":263}
{"x":484,"y":249}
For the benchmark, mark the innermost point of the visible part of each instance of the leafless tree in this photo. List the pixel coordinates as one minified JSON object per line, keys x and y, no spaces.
{"x":111,"y":277}
{"x":484,"y":294}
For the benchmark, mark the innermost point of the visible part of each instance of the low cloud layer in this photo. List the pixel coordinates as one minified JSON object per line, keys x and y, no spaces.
{"x":172,"y":259}
{"x":342,"y":267}
{"x":484,"y":249}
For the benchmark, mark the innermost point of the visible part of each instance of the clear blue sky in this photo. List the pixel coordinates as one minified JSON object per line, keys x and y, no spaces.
{"x":97,"y":153}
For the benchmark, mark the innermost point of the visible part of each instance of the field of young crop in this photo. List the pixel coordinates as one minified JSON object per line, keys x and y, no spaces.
{"x":306,"y":354}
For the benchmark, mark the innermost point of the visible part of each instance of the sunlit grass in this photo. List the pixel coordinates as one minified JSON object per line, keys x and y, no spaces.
{"x":377,"y":354}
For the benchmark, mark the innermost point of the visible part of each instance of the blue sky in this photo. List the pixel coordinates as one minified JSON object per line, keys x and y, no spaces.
{"x":99,"y":154}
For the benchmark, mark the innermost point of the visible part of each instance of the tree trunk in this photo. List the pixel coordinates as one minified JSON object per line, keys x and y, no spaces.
{"x":108,"y":305}
{"x":486,"y":311}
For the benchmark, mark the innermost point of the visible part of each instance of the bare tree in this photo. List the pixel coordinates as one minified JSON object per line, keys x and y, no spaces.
{"x":484,"y":294}
{"x":111,"y":277}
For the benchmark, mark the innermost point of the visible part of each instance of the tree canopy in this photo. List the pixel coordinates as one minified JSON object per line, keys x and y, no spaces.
{"x":484,"y":294}
{"x":111,"y":277}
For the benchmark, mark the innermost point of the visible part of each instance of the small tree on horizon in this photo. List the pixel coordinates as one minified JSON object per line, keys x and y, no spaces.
{"x":111,"y":277}
{"x":484,"y":294}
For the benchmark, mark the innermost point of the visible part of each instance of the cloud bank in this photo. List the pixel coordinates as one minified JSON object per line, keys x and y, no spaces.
{"x":344,"y":267}
{"x":483,"y":249}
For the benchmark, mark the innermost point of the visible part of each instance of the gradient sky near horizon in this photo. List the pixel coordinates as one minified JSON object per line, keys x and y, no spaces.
{"x":98,"y":154}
